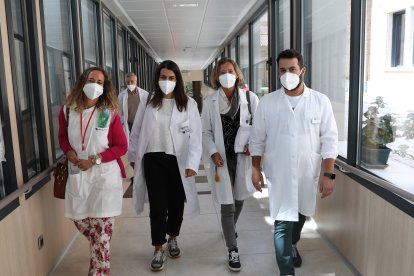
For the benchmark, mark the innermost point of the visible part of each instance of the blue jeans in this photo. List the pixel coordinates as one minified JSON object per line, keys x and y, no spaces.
{"x":287,"y":233}
{"x":283,"y":246}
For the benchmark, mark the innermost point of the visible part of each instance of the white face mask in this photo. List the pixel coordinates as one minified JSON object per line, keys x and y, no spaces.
{"x":93,"y":90}
{"x":227,"y":80}
{"x":131,"y":87}
{"x":166,"y":86}
{"x":289,"y":80}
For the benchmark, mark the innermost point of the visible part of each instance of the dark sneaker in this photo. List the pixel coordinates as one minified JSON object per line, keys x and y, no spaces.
{"x":297,"y":259}
{"x":173,"y":250}
{"x":158,"y":261}
{"x":234,"y":260}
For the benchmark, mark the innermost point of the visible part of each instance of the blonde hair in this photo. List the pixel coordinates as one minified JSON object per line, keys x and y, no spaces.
{"x":108,"y":99}
{"x":215,"y":83}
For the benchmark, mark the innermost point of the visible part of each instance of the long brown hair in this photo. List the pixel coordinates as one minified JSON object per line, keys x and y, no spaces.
{"x":215,"y":83}
{"x":180,"y":96}
{"x":108,"y":98}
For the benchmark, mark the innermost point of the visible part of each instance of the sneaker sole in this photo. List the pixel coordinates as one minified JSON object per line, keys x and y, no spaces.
{"x":174,"y":257}
{"x":235,"y":269}
{"x":157,"y":269}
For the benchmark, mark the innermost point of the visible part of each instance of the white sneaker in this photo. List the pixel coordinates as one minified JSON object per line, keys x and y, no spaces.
{"x":157,"y":262}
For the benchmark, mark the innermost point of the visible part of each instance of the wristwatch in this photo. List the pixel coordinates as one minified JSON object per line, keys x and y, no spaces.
{"x":96,"y":159}
{"x":329,"y":175}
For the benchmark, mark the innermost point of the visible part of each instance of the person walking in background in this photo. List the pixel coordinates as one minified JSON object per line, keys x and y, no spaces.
{"x":226,"y":114}
{"x":129,"y":101}
{"x":93,"y":142}
{"x":166,"y":155}
{"x":294,"y":131}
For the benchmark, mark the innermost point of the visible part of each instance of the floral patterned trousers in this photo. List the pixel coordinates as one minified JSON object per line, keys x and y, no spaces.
{"x":98,"y":231}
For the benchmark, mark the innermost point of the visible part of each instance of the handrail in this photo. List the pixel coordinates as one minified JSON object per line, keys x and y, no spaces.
{"x":346,"y":168}
{"x":25,"y":188}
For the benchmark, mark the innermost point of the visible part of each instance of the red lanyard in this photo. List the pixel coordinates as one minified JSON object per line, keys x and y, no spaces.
{"x":87,"y":125}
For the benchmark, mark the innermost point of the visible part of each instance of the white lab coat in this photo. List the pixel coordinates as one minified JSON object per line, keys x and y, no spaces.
{"x":96,"y":192}
{"x":123,"y":103}
{"x":292,"y":145}
{"x":213,"y":141}
{"x":185,"y":128}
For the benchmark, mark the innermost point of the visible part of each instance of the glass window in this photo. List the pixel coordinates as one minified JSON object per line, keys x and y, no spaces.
{"x":244,"y":55}
{"x":57,"y":22}
{"x":284,"y":25}
{"x":326,"y":56}
{"x":387,"y":133}
{"x":89,"y":33}
{"x":121,"y":57}
{"x":133,"y":55}
{"x":260,"y":55}
{"x":398,"y":29}
{"x":109,"y":44}
{"x":233,"y":49}
{"x":7,"y":169}
{"x":28,"y":97}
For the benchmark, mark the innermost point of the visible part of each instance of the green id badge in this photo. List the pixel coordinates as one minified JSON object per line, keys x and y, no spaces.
{"x":103,"y":118}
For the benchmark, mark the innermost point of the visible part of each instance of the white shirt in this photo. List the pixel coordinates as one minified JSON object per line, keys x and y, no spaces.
{"x":161,"y":140}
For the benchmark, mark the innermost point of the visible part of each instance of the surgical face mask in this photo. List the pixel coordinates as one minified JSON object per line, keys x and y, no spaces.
{"x":92,"y":90}
{"x":290,"y":81}
{"x":227,"y":80}
{"x":131,"y":87}
{"x":166,"y":86}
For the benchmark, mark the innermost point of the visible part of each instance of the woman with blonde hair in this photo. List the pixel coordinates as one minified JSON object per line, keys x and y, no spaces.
{"x":91,"y":137}
{"x":226,"y":114}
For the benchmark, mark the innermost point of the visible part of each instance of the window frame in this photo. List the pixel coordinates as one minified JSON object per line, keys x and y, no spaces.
{"x":33,"y":72}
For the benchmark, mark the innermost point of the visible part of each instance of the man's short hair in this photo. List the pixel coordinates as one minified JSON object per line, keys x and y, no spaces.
{"x":131,"y":74}
{"x":291,"y":53}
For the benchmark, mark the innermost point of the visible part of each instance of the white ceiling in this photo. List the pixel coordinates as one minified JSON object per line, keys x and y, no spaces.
{"x":190,"y":35}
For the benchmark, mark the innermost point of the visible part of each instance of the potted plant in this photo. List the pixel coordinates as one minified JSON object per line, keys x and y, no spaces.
{"x":377,"y":131}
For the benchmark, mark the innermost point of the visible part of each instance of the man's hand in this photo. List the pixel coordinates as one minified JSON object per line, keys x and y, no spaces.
{"x":257,"y":179}
{"x":326,"y":186}
{"x":217,"y":160}
{"x":189,"y":173}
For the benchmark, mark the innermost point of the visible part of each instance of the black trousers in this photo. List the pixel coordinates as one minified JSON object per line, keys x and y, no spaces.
{"x":166,"y":195}
{"x":297,"y":228}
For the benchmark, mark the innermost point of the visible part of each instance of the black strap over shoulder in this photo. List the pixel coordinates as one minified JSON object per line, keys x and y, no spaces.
{"x":249,"y":106}
{"x":67,"y":116}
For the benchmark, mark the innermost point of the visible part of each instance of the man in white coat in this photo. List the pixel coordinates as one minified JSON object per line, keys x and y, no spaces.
{"x":294,"y":129}
{"x":129,"y":101}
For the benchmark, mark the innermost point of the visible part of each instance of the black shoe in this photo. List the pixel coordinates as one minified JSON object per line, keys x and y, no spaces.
{"x":234,"y":260}
{"x":297,"y":259}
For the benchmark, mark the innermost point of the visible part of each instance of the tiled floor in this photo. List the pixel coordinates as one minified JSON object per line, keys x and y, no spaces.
{"x":202,"y":244}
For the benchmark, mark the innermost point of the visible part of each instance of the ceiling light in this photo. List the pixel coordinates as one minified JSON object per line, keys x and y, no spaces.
{"x":194,"y":5}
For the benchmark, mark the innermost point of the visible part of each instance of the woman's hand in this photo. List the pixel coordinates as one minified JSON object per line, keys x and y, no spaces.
{"x":72,"y":156}
{"x":189,"y":173}
{"x":85,"y":165}
{"x":217,"y":160}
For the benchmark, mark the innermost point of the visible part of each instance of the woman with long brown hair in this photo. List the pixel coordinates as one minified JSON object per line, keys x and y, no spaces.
{"x":165,"y":143}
